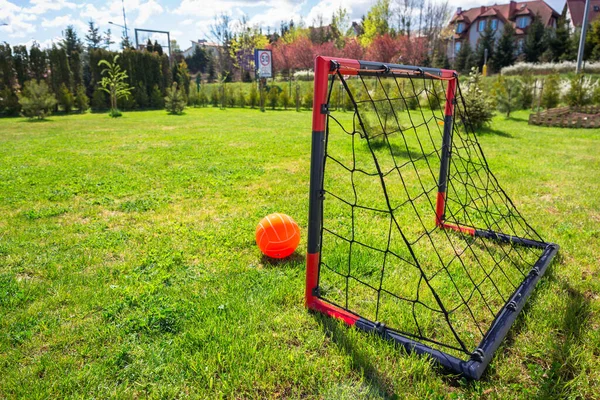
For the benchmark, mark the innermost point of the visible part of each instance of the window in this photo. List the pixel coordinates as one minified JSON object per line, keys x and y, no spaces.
{"x":460,"y":27}
{"x":457,"y":47}
{"x":494,"y":24}
{"x":481,"y":25}
{"x":522,"y":22}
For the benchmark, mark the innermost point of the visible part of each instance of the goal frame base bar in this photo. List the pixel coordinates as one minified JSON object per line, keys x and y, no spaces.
{"x":474,"y":367}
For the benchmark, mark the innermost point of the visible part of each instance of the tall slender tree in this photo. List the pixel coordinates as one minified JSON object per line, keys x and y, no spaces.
{"x":535,"y":41}
{"x":93,"y":39}
{"x":504,"y":54}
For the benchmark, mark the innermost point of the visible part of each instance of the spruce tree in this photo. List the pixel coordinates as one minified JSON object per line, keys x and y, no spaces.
{"x":72,"y":46}
{"x":149,"y":46}
{"x":559,"y":42}
{"x":487,"y":42}
{"x":38,"y":63}
{"x":504,"y":55}
{"x":441,"y":60}
{"x":82,"y":102}
{"x":174,"y":100}
{"x":93,"y":39}
{"x":464,"y":59}
{"x":535,"y":43}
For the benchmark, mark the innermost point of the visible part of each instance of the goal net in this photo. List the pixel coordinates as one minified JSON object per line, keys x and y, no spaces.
{"x":410,"y":233}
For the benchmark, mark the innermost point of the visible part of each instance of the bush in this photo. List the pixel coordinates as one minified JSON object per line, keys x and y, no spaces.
{"x":82,"y":102}
{"x":99,"y":100}
{"x":551,"y":92}
{"x":194,"y":96}
{"x":65,"y":98}
{"x":156,"y":98}
{"x":214,"y":97}
{"x":478,"y":107}
{"x":241,"y":98}
{"x":284,"y":99}
{"x":580,"y":91}
{"x":507,"y":93}
{"x":549,"y":68}
{"x":253,"y":97}
{"x":36,"y":100}
{"x":273,"y":96}
{"x":174,"y":100}
{"x":202,"y":97}
{"x":297,"y":97}
{"x":527,"y":85}
{"x":307,"y":100}
{"x":141,"y":95}
{"x":9,"y":102}
{"x":230,"y":97}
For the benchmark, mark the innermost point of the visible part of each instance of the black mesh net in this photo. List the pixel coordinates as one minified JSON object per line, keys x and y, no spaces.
{"x":383,"y":256}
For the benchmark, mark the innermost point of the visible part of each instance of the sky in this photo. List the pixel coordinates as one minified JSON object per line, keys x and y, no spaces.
{"x":44,"y":20}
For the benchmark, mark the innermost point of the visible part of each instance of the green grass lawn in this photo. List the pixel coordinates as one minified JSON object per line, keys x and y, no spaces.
{"x":128,"y":266}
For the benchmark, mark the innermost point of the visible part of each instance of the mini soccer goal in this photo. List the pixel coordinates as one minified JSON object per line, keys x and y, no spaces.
{"x":410,"y":234}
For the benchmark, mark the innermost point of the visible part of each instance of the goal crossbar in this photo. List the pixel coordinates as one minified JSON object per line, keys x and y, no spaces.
{"x":326,"y":69}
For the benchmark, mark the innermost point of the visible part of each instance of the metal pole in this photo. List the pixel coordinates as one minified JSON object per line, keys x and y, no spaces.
{"x":582,"y":37}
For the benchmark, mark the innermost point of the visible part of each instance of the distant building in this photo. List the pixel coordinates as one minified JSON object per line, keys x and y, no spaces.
{"x":574,"y":12}
{"x":213,"y":48}
{"x":468,"y":25}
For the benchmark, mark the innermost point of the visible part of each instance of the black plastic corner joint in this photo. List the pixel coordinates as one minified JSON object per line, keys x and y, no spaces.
{"x":316,"y":292}
{"x":535,"y":271}
{"x":333,"y":65}
{"x":380,"y":327}
{"x":386,"y":68}
{"x":477,"y":355}
{"x":512,"y":305}
{"x":322,"y":194}
{"x":325,"y":109}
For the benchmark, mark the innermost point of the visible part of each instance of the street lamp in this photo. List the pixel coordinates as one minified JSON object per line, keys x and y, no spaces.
{"x":125,"y":29}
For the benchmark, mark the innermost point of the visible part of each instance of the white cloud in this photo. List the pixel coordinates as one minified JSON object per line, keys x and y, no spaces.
{"x":202,"y":8}
{"x":63,"y":21}
{"x":326,"y":8}
{"x":147,"y":10}
{"x":43,"y":6}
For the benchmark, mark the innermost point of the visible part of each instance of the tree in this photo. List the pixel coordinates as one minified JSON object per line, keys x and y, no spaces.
{"x":253,"y":96}
{"x":107,"y":39}
{"x":504,"y":55}
{"x":158,"y":48}
{"x":149,"y":46}
{"x":353,"y":49}
{"x":93,"y":38}
{"x":377,"y":22}
{"x":36,"y":100}
{"x":284,"y":99}
{"x":156,"y":98}
{"x":535,"y":43}
{"x":65,"y":98}
{"x":175,"y":100}
{"x":21,"y":64}
{"x":464,"y":59}
{"x":559,"y":42}
{"x":551,"y":92}
{"x":82,"y":102}
{"x":383,"y":48}
{"x":114,"y":83}
{"x":507,"y":94}
{"x":441,"y":60}
{"x":340,"y":26}
{"x":486,"y":42}
{"x":477,"y":105}
{"x":38,"y":63}
{"x":579,"y":93}
{"x":72,"y":46}
{"x":198,"y":61}
{"x":273,"y":96}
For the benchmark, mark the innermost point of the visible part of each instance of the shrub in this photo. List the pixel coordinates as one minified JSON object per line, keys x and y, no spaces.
{"x":194,"y":96}
{"x":174,"y":100}
{"x":507,"y":94}
{"x":580,"y":91}
{"x":307,"y":100}
{"x":36,"y":100}
{"x":114,"y":83}
{"x":65,"y":98}
{"x":527,"y":85}
{"x":551,"y":92}
{"x":297,"y":97}
{"x":214,"y":97}
{"x":99,"y":100}
{"x":253,"y":97}
{"x":241,"y":98}
{"x":273,"y":96}
{"x":478,"y":107}
{"x":284,"y":99}
{"x":521,"y":68}
{"x":156,"y":98}
{"x":202,"y":97}
{"x":9,"y":102}
{"x":141,"y":95}
{"x":82,"y":102}
{"x":230,"y":97}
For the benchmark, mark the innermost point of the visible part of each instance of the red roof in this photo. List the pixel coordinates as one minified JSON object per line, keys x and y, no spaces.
{"x":509,"y":12}
{"x":577,"y":7}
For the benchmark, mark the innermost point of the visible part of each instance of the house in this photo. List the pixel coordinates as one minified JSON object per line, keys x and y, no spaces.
{"x":468,"y":25}
{"x":574,"y":12}
{"x":213,"y":48}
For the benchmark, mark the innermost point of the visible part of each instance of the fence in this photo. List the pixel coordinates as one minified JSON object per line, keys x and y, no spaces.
{"x":568,"y":117}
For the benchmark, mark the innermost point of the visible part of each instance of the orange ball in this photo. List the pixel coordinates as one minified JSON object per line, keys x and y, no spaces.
{"x":277,"y":235}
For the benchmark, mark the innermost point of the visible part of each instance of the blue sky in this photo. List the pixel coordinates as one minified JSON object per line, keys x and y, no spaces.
{"x":43,"y":20}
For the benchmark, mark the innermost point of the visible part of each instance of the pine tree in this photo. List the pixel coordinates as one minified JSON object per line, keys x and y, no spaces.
{"x":504,"y":55}
{"x":464,"y":59}
{"x":36,"y":100}
{"x":38,"y":63}
{"x":535,"y":43}
{"x":107,"y":39}
{"x":441,"y":60}
{"x":72,"y":46}
{"x":156,"y":98}
{"x":82,"y":102}
{"x":66,"y":99}
{"x":551,"y":92}
{"x":158,"y":48}
{"x":174,"y":100}
{"x":93,"y":38}
{"x":149,"y":46}
{"x":21,"y":64}
{"x":487,"y":42}
{"x":507,"y":94}
{"x":559,"y":44}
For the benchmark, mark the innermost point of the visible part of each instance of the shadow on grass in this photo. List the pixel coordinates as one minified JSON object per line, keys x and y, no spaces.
{"x":361,"y":363}
{"x":35,"y":120}
{"x":397,"y":151}
{"x":293,"y":260}
{"x":486,"y":130}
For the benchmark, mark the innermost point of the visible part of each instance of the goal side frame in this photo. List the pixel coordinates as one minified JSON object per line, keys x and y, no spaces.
{"x":481,"y":356}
